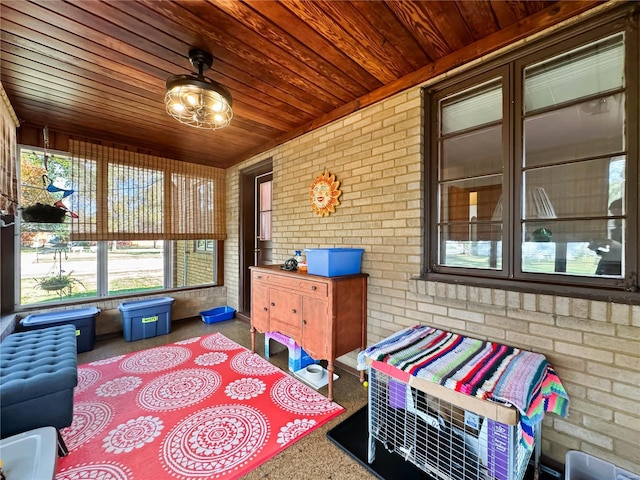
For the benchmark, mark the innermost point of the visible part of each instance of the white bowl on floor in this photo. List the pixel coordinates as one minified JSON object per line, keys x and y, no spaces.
{"x":314,"y":372}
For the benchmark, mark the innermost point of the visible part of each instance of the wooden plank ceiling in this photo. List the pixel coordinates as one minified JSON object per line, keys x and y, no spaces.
{"x":97,"y":69}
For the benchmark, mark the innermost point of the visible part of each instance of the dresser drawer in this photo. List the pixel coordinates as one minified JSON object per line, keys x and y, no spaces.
{"x":309,"y":288}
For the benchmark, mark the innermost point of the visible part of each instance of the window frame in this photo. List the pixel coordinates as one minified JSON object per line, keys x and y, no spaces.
{"x":511,"y":277}
{"x":213,"y":249}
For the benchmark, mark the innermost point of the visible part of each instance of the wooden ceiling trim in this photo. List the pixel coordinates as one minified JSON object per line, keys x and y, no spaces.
{"x":289,"y":68}
{"x":529,"y":26}
{"x":313,"y":15}
{"x":281,"y":38}
{"x":286,"y":20}
{"x":380,"y":16}
{"x":232,"y":50}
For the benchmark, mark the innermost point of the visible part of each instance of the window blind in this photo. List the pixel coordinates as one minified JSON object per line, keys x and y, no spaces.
{"x":124,"y":195}
{"x":8,"y":156}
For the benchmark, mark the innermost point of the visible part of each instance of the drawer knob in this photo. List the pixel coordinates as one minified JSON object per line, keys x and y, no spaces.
{"x":293,"y":310}
{"x":258,"y":276}
{"x":265,"y":309}
{"x":313,"y":287}
{"x":273,"y":304}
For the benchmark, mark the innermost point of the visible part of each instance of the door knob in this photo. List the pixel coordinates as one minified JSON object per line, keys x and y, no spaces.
{"x":293,"y":310}
{"x":273,"y":304}
{"x":265,"y":309}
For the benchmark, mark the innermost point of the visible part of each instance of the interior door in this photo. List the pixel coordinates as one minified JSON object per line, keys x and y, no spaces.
{"x":254,"y":247}
{"x":263,"y":245}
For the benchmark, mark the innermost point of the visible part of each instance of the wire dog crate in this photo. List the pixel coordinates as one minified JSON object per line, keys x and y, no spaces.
{"x":422,"y":424}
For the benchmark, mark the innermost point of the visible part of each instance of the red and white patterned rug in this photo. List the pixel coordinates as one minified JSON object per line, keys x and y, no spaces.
{"x":200,"y":408}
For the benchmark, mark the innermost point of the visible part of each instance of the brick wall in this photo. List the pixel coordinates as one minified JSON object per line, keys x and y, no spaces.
{"x":376,"y":155}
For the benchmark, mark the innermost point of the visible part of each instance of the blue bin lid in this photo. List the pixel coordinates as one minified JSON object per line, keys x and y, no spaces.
{"x":60,"y":316}
{"x":139,"y":304}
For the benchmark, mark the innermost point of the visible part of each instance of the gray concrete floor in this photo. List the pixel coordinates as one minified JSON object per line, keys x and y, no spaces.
{"x":312,"y":457}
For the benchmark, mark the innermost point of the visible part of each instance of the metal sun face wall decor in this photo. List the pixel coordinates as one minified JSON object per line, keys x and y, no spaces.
{"x":324,"y":194}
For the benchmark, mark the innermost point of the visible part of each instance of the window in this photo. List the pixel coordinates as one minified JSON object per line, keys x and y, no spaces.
{"x":534,"y":166}
{"x":54,"y":268}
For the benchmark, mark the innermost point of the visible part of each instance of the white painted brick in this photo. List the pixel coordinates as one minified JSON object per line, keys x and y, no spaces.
{"x":620,"y":314}
{"x":546,"y":303}
{"x":579,"y":308}
{"x":563,"y":306}
{"x":529,"y":342}
{"x":584,"y":352}
{"x":529,"y":302}
{"x":598,"y":311}
{"x":584,"y":434}
{"x":514,"y":300}
{"x":466,"y":315}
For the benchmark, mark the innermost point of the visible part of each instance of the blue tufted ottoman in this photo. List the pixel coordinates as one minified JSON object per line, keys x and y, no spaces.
{"x":38,"y":372}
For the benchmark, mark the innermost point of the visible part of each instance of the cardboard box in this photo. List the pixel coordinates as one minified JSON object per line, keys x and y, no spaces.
{"x":83,"y":319}
{"x":146,"y":318}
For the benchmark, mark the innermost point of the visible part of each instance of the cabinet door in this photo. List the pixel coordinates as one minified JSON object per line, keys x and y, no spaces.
{"x":286,"y":313}
{"x":260,"y":306}
{"x":316,"y":328}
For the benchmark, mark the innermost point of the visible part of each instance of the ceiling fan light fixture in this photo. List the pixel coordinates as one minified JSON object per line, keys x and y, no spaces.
{"x":197,"y":101}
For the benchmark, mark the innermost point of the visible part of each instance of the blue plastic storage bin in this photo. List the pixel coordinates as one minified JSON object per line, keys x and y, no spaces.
{"x":217,"y":314}
{"x":84,"y":319}
{"x":146,"y":318}
{"x":333,"y":262}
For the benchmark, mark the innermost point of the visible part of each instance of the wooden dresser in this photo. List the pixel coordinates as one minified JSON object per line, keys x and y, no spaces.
{"x":326,"y":316}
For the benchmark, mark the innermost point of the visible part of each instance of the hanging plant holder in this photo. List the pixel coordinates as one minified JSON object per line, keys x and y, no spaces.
{"x":40,"y":213}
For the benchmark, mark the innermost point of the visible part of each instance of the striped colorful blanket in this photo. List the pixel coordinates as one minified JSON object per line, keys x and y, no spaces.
{"x":485,"y":370}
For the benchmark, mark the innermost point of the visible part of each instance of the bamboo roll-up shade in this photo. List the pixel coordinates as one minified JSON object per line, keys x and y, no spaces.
{"x":8,"y":156}
{"x":123,"y":195}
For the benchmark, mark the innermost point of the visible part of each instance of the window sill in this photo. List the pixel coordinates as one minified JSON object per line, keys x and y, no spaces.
{"x":526,"y":286}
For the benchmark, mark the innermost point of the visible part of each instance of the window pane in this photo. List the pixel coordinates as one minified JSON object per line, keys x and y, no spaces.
{"x":54,"y":269}
{"x":588,"y":129}
{"x":136,"y":266}
{"x":472,"y":108}
{"x":470,"y":200}
{"x":136,"y":199}
{"x":470,"y":178}
{"x":483,"y":254}
{"x":472,"y":154}
{"x":549,"y":248}
{"x":194,"y":266}
{"x":574,"y":190}
{"x":598,"y":67}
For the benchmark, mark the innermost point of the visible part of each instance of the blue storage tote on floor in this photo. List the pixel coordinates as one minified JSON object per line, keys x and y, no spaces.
{"x":217,"y":314}
{"x":84,"y":319}
{"x":333,"y":262}
{"x":146,"y":318}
